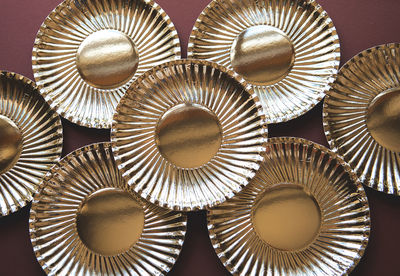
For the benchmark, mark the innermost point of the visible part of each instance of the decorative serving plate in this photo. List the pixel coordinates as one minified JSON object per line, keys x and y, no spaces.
{"x":362,"y":116}
{"x":305,"y":213}
{"x":288,"y":50}
{"x":88,"y":52}
{"x":30,"y":141}
{"x":188,"y":134}
{"x":85,"y":220}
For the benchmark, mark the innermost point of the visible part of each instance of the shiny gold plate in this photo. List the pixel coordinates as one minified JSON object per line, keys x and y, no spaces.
{"x":288,"y":50}
{"x":30,"y":141}
{"x":188,"y":134}
{"x":305,"y":213}
{"x":88,"y":52}
{"x":362,"y":116}
{"x":85,"y":220}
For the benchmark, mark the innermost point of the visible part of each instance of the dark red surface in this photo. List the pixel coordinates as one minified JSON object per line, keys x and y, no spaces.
{"x":360,"y":24}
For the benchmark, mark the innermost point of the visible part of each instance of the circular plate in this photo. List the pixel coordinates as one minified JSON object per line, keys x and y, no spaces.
{"x":287,"y":49}
{"x":188,"y":134}
{"x":30,"y":141}
{"x":305,"y":213}
{"x":88,"y":52}
{"x":362,"y":117}
{"x":85,"y":220}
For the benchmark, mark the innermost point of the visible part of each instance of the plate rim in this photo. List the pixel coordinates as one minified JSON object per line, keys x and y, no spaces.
{"x":13,"y":76}
{"x":298,"y":140}
{"x":325,"y":117}
{"x":323,"y":93}
{"x":56,"y":107}
{"x":152,"y":71}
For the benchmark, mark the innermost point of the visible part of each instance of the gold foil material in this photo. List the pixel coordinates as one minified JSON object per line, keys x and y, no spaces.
{"x":362,"y":117}
{"x":188,"y":135}
{"x":304,"y":213}
{"x":86,"y":220}
{"x":287,"y":50}
{"x":87,"y":54}
{"x":30,"y":141}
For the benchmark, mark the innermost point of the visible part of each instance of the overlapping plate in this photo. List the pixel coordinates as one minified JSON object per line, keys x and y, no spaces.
{"x":188,"y":134}
{"x":85,"y":220}
{"x":88,"y":52}
{"x":362,"y":116}
{"x":287,"y":49}
{"x":305,"y":213}
{"x":30,"y":141}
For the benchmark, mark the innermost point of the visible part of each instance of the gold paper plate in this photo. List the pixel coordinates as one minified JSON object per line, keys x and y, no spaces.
{"x":188,"y":134}
{"x":88,"y":52}
{"x":305,"y":213}
{"x":362,"y":116}
{"x":287,"y":49}
{"x":85,"y":220}
{"x":30,"y":141}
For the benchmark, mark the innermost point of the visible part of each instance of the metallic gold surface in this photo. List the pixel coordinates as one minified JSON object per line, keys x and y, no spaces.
{"x":305,"y":213}
{"x":287,"y":49}
{"x":107,"y":59}
{"x":10,"y":144}
{"x":286,"y":217}
{"x":110,"y":221}
{"x":188,"y":134}
{"x":262,"y":54}
{"x":88,"y":52}
{"x":30,"y":141}
{"x":383,"y":119}
{"x":362,"y":117}
{"x":85,"y":220}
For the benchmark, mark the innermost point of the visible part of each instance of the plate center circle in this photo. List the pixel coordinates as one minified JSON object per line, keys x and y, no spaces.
{"x":189,"y":135}
{"x":10,"y":144}
{"x":107,"y":59}
{"x":383,"y":119}
{"x":286,"y":217}
{"x":262,"y":54}
{"x":110,"y":221}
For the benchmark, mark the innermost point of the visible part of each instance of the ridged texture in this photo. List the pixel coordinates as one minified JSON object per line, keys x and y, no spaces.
{"x":359,"y":81}
{"x":345,"y":224}
{"x":42,"y":140}
{"x":54,"y":237}
{"x":188,"y":81}
{"x":61,"y":34}
{"x":307,"y":25}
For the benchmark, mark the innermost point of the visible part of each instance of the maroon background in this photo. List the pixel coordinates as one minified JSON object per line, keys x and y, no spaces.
{"x":360,"y":23}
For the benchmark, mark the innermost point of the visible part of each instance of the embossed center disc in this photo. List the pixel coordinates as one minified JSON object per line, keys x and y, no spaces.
{"x":383,"y":119}
{"x":110,"y":221}
{"x":10,"y":144}
{"x":107,"y":59}
{"x":262,"y":54}
{"x":189,"y":135}
{"x":287,"y":218}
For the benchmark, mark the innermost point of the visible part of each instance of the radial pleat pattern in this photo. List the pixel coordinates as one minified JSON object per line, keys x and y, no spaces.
{"x":42,"y":139}
{"x":345,"y":221}
{"x":59,"y":38}
{"x":305,"y":23}
{"x":54,"y":235}
{"x":212,"y":87}
{"x":364,"y":77}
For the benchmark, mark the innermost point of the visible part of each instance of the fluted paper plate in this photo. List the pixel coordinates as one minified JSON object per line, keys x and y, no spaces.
{"x":287,"y":49}
{"x":88,"y":52}
{"x":30,"y":141}
{"x":305,"y":213}
{"x":188,"y":134}
{"x":362,"y":116}
{"x":85,"y":220}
